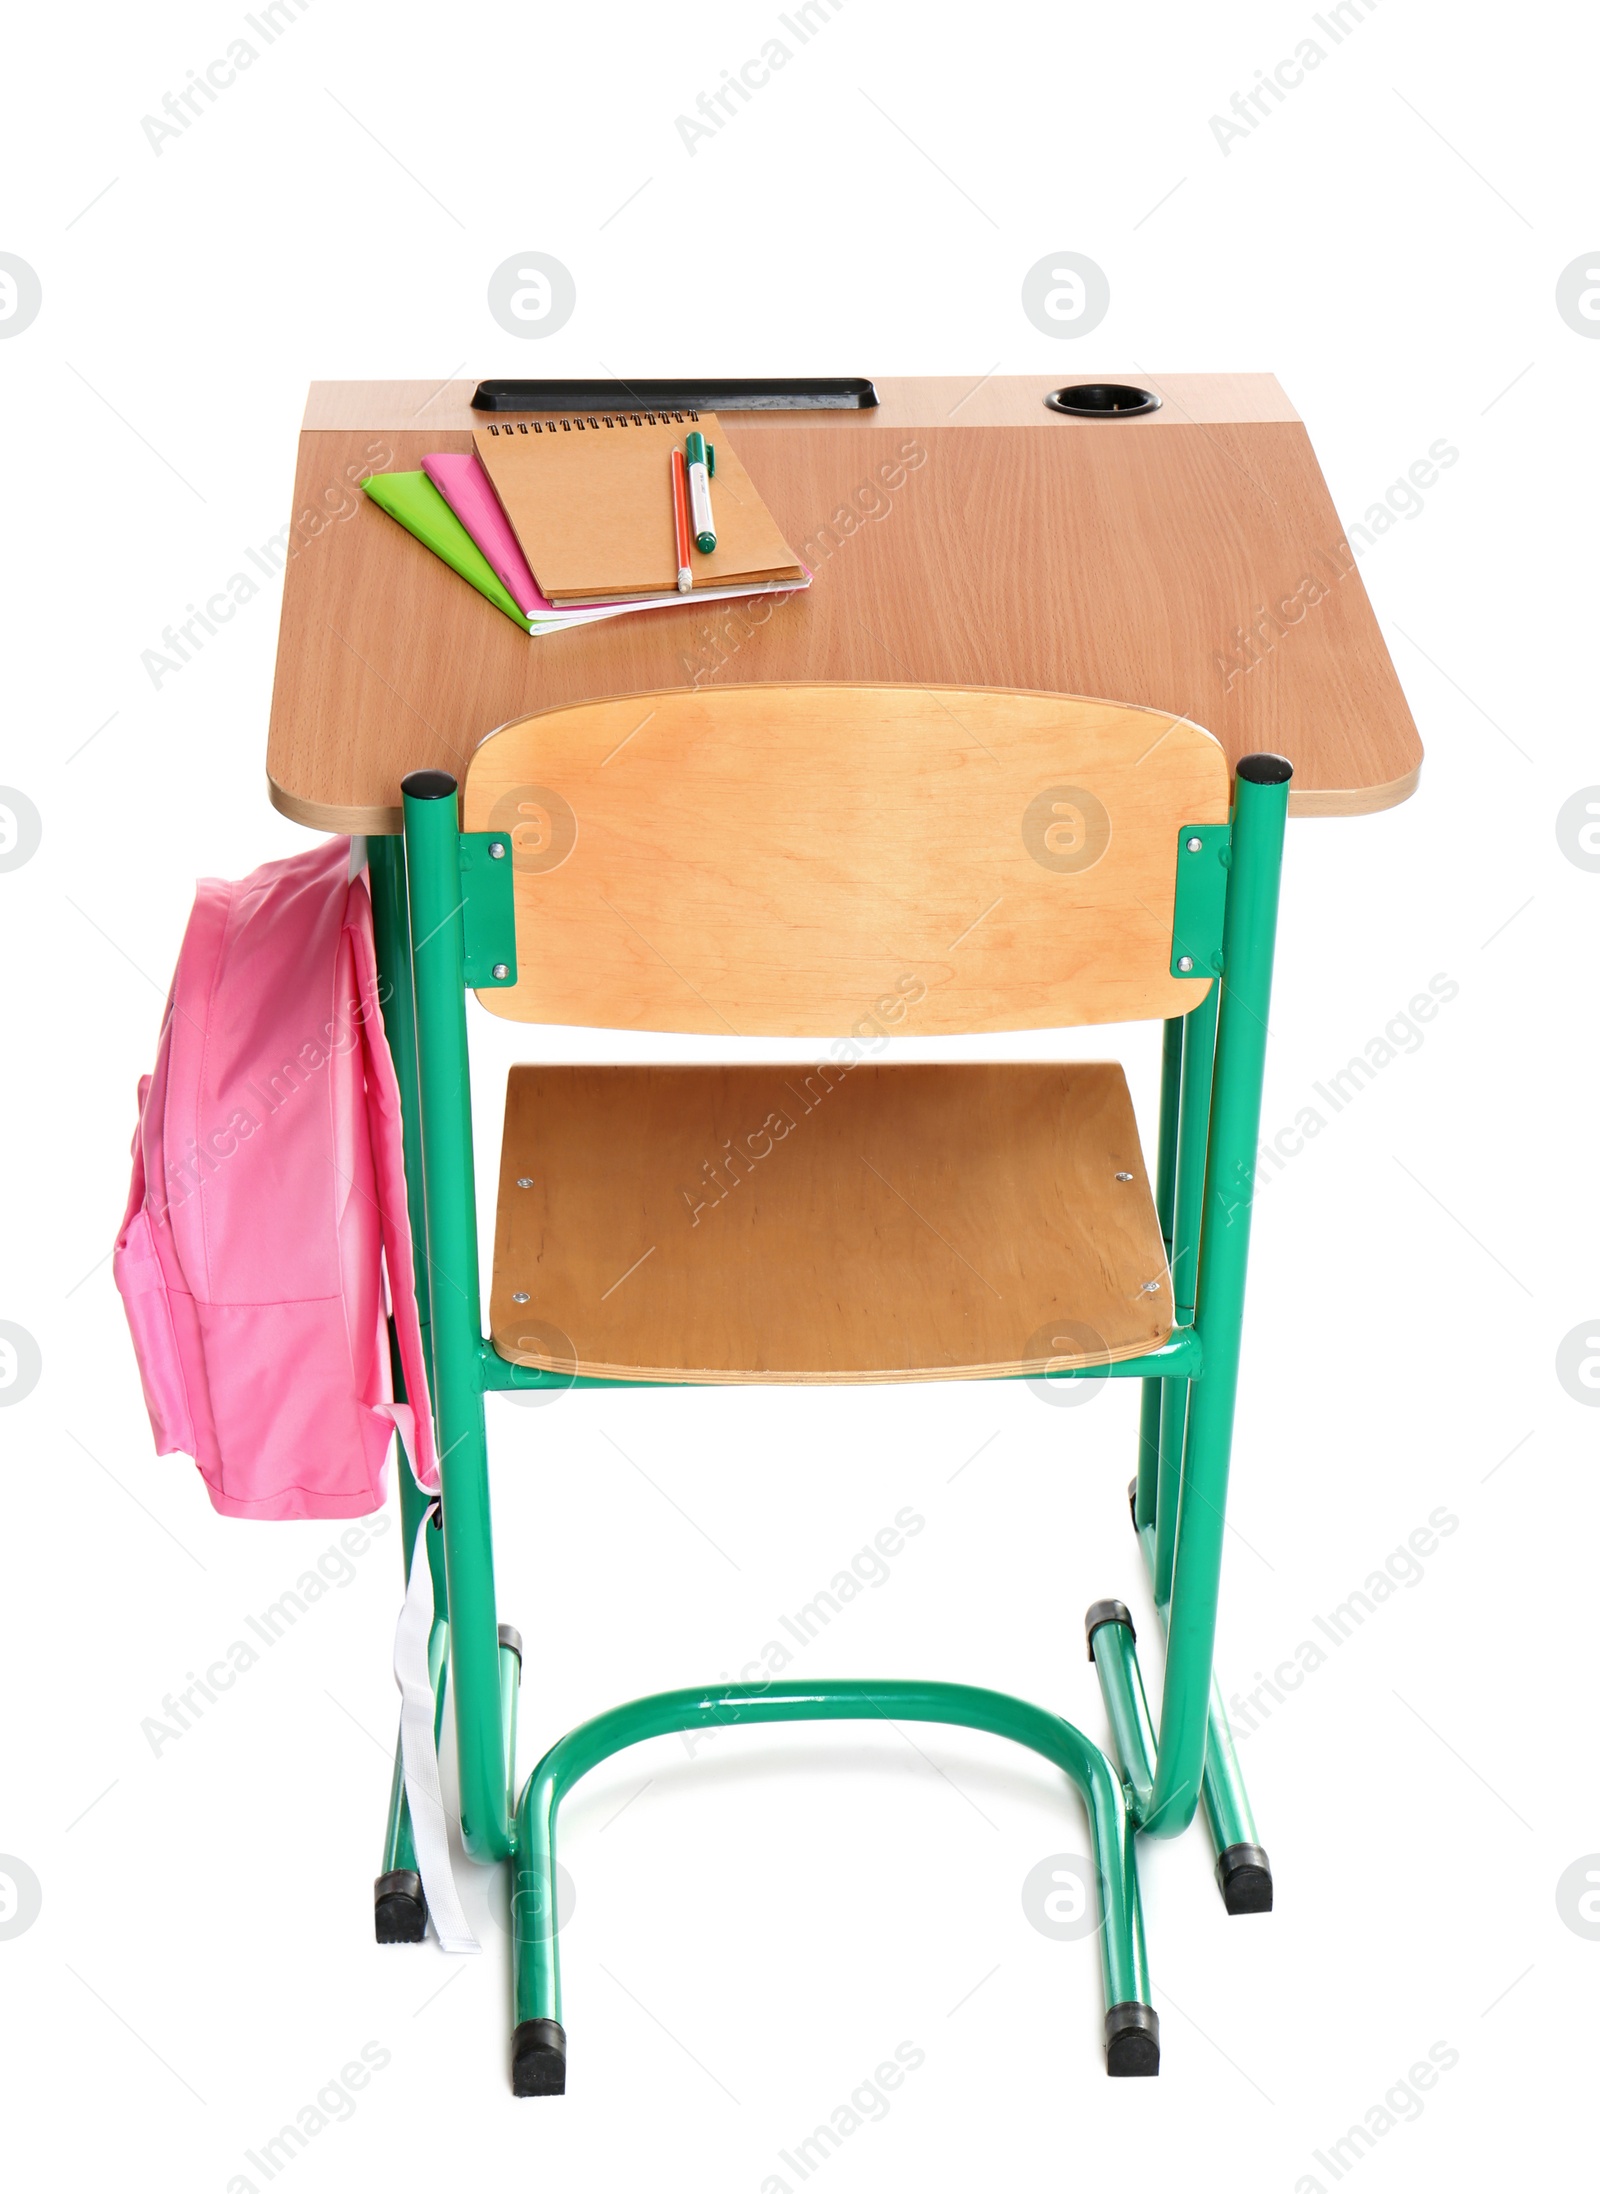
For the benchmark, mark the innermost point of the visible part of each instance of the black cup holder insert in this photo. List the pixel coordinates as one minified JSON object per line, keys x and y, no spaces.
{"x":1104,"y":400}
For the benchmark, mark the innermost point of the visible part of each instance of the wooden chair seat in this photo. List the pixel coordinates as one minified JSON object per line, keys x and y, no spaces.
{"x":830,"y":1224}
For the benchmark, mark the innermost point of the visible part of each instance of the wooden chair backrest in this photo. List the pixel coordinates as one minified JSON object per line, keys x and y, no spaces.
{"x":844,"y":860}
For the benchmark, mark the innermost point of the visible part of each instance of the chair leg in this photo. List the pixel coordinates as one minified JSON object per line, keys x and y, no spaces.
{"x":539,"y":2042}
{"x":1109,"y":1629}
{"x":1174,"y":1410}
{"x":1142,"y":1493}
{"x":1142,"y":1490}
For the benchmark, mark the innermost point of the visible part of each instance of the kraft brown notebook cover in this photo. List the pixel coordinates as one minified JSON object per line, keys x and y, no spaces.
{"x":590,"y":501}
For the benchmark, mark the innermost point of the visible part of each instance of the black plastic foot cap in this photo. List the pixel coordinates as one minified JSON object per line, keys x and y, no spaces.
{"x":512,"y":1637}
{"x":399,"y":1909}
{"x":1244,"y":1876}
{"x":1133,"y":2042}
{"x":1101,"y":1613}
{"x":539,"y":2058}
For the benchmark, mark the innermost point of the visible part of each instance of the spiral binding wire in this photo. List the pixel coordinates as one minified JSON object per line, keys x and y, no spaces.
{"x":593,"y":422}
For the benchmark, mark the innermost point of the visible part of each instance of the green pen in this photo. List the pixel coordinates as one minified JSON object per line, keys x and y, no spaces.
{"x":701,"y":460}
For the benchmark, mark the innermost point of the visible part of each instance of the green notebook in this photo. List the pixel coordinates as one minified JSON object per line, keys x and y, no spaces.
{"x":412,"y":499}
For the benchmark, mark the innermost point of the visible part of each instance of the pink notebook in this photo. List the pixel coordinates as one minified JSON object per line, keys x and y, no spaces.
{"x":464,"y":484}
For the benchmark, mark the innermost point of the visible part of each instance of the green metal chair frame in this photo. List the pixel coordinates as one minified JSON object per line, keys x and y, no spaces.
{"x":1213,"y":1061}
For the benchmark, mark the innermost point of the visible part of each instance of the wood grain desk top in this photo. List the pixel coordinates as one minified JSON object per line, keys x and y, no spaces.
{"x":960,"y":534}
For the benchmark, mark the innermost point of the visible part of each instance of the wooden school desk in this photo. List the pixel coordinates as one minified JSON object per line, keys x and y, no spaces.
{"x":1184,"y":563}
{"x":962,"y":534}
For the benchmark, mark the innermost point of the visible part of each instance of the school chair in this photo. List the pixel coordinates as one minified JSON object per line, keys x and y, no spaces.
{"x":844,"y":863}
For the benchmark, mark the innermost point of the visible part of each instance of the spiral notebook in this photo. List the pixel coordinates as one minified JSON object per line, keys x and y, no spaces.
{"x":589,"y":499}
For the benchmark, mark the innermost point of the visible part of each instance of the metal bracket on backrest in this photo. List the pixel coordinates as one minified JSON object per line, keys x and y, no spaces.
{"x":488,"y":912}
{"x":1200,"y":900}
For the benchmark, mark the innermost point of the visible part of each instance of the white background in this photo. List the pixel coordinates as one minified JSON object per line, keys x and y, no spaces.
{"x":767,"y":1921}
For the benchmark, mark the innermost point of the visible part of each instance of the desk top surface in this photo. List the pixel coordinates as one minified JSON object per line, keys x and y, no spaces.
{"x":960,"y":534}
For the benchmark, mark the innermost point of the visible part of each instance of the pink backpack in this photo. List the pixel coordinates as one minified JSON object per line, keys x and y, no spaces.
{"x":268,"y":1198}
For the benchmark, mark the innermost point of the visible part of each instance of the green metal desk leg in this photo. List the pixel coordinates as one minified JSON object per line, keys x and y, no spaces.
{"x":539,"y":2048}
{"x":400,"y":1914}
{"x":1243,"y":1868}
{"x":433,"y":863}
{"x":391,"y":928}
{"x":391,"y":922}
{"x":1261,"y":800}
{"x":1243,"y":1871}
{"x":399,"y":1907}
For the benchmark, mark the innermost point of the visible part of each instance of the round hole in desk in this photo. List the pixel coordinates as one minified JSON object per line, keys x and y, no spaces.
{"x":1104,"y":400}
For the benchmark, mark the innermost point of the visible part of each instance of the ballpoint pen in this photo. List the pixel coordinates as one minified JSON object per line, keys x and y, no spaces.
{"x":680,"y":520}
{"x":701,"y":462}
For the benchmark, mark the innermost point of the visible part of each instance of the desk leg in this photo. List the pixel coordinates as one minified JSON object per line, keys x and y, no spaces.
{"x":391,"y":929}
{"x":438,"y":974}
{"x":400,"y":1910}
{"x":1243,"y":1870}
{"x":1261,"y":798}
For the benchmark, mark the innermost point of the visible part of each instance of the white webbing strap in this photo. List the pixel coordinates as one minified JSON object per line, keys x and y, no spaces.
{"x":419,"y":1754}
